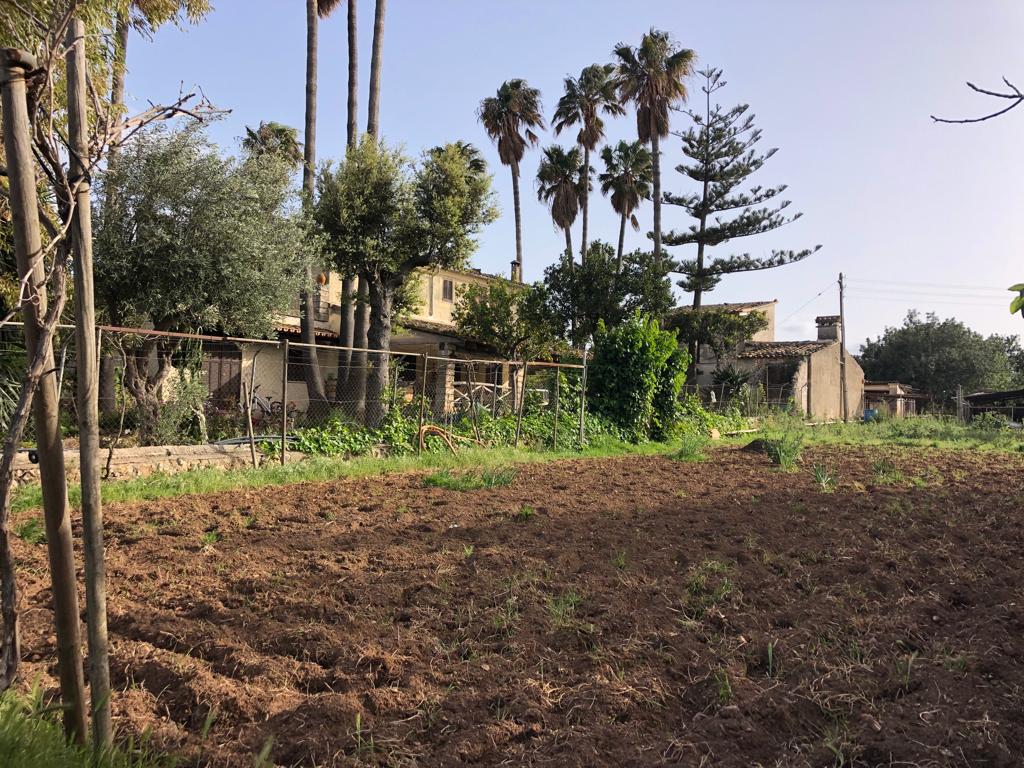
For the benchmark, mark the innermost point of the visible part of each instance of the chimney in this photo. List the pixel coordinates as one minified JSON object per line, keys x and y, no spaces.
{"x":828,"y":327}
{"x":517,"y":272}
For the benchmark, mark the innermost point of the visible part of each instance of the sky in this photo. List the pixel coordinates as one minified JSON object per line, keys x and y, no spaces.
{"x":917,"y":215}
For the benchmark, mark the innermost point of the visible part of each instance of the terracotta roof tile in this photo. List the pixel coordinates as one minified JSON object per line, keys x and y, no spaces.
{"x":781,"y":349}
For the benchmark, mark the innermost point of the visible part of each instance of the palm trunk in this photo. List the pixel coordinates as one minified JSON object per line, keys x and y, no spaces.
{"x":314,"y":379}
{"x":586,"y":204}
{"x":656,"y":168}
{"x":622,"y":244}
{"x":568,"y":244}
{"x":373,"y":121}
{"x":348,"y":294}
{"x":108,"y":365}
{"x":357,"y":377}
{"x":353,"y":75}
{"x":346,"y":336}
{"x":382,"y":298}
{"x":519,"y":219}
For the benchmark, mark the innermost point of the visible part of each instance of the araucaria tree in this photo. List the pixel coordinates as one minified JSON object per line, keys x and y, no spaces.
{"x":721,"y":147}
{"x":511,"y":118}
{"x":653,"y":77}
{"x":586,"y":97}
{"x":187,"y":240}
{"x":627,"y":179}
{"x":385,"y":216}
{"x":560,"y":185}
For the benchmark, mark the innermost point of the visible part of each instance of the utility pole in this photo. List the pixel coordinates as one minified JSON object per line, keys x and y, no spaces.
{"x":88,"y":376}
{"x":842,"y":351}
{"x":28,"y":251}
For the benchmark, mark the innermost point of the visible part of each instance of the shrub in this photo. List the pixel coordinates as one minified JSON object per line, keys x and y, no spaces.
{"x":666,"y":406}
{"x":624,"y":375}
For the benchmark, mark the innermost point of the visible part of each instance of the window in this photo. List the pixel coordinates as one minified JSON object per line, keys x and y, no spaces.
{"x":448,"y":290}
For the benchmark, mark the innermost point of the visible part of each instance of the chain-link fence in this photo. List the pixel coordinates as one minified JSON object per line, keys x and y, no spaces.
{"x":160,"y":388}
{"x":751,"y":399}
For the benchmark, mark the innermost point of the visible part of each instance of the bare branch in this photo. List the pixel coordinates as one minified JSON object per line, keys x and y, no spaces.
{"x":1015,"y":96}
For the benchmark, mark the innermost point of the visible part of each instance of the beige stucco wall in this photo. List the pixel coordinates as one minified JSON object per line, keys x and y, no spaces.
{"x":708,"y":363}
{"x":825,"y":396}
{"x":433,"y":306}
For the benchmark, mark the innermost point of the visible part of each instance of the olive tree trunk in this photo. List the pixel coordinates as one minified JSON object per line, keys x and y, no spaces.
{"x":382,"y":299}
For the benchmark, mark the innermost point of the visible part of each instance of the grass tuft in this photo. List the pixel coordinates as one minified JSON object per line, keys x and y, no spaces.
{"x":471,"y":481}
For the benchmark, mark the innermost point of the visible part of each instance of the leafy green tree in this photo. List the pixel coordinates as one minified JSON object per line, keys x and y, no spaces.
{"x":511,"y":118}
{"x":560,"y":184}
{"x":936,"y":356}
{"x":273,"y":138}
{"x":666,"y":408}
{"x":721,"y":330}
{"x":186,"y":240}
{"x":582,"y":295}
{"x":626,"y":371}
{"x":722,"y":152}
{"x":586,"y":97}
{"x":385,"y":217}
{"x":627,"y":178}
{"x":512,"y":319}
{"x":652,"y":76}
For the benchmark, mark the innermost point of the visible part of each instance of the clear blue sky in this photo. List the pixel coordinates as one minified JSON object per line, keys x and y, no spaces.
{"x":844,"y":90}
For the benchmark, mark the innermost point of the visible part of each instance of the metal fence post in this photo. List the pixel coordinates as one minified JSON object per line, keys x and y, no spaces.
{"x":554,"y":428}
{"x":494,"y":393}
{"x":423,"y":402}
{"x":284,"y":401}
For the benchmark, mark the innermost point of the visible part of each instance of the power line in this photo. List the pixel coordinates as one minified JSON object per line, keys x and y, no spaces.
{"x":924,"y":300}
{"x":807,"y":304}
{"x":915,"y":283}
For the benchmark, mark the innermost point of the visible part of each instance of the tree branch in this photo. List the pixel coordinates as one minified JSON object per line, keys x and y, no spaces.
{"x":1015,"y":96}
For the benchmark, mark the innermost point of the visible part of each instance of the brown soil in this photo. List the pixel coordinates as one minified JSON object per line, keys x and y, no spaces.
{"x":647,"y":612}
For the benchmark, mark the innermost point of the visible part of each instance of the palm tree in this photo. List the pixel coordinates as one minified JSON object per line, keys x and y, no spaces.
{"x":510,"y":117}
{"x":652,"y":77}
{"x":273,"y":138}
{"x":560,"y":184}
{"x":373,"y":120}
{"x":586,"y":97}
{"x":474,"y":158}
{"x":627,"y":176}
{"x":314,"y":10}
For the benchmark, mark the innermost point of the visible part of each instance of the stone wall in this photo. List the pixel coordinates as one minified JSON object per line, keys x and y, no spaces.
{"x":139,"y":462}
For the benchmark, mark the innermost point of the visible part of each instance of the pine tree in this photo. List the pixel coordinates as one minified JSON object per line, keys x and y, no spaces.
{"x":721,"y":148}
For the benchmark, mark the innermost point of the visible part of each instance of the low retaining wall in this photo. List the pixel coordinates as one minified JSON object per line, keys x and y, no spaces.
{"x":138,"y":462}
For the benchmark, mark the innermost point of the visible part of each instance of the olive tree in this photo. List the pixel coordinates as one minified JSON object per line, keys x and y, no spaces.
{"x":187,"y":239}
{"x":385,"y":216}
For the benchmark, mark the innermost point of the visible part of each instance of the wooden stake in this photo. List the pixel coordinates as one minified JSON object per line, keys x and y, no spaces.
{"x":423,"y":404}
{"x":88,"y":378}
{"x":284,"y":403}
{"x":842,"y":351}
{"x":28,"y":249}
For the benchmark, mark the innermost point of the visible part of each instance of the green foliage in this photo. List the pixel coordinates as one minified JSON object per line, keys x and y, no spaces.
{"x":177,"y":422}
{"x":825,"y":477}
{"x":722,"y":157}
{"x":336,"y":437}
{"x":561,"y":184}
{"x":667,"y":409}
{"x":471,"y":481}
{"x":582,"y":295}
{"x":514,"y":320}
{"x":692,"y":447}
{"x":784,"y":442}
{"x":721,"y":330}
{"x":935,"y":356}
{"x":31,"y":736}
{"x":694,"y":417}
{"x":625,"y":372}
{"x":384,"y":215}
{"x":189,"y":239}
{"x":31,"y":531}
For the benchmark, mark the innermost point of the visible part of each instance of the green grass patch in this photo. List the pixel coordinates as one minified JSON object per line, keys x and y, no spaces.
{"x":31,"y":737}
{"x":471,"y":481}
{"x":326,"y":469}
{"x":692,"y":447}
{"x":922,"y":432}
{"x":31,"y":531}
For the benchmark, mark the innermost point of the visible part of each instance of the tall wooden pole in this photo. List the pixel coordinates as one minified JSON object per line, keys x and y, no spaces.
{"x":28,"y":254}
{"x":88,"y":376}
{"x":842,"y":350}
